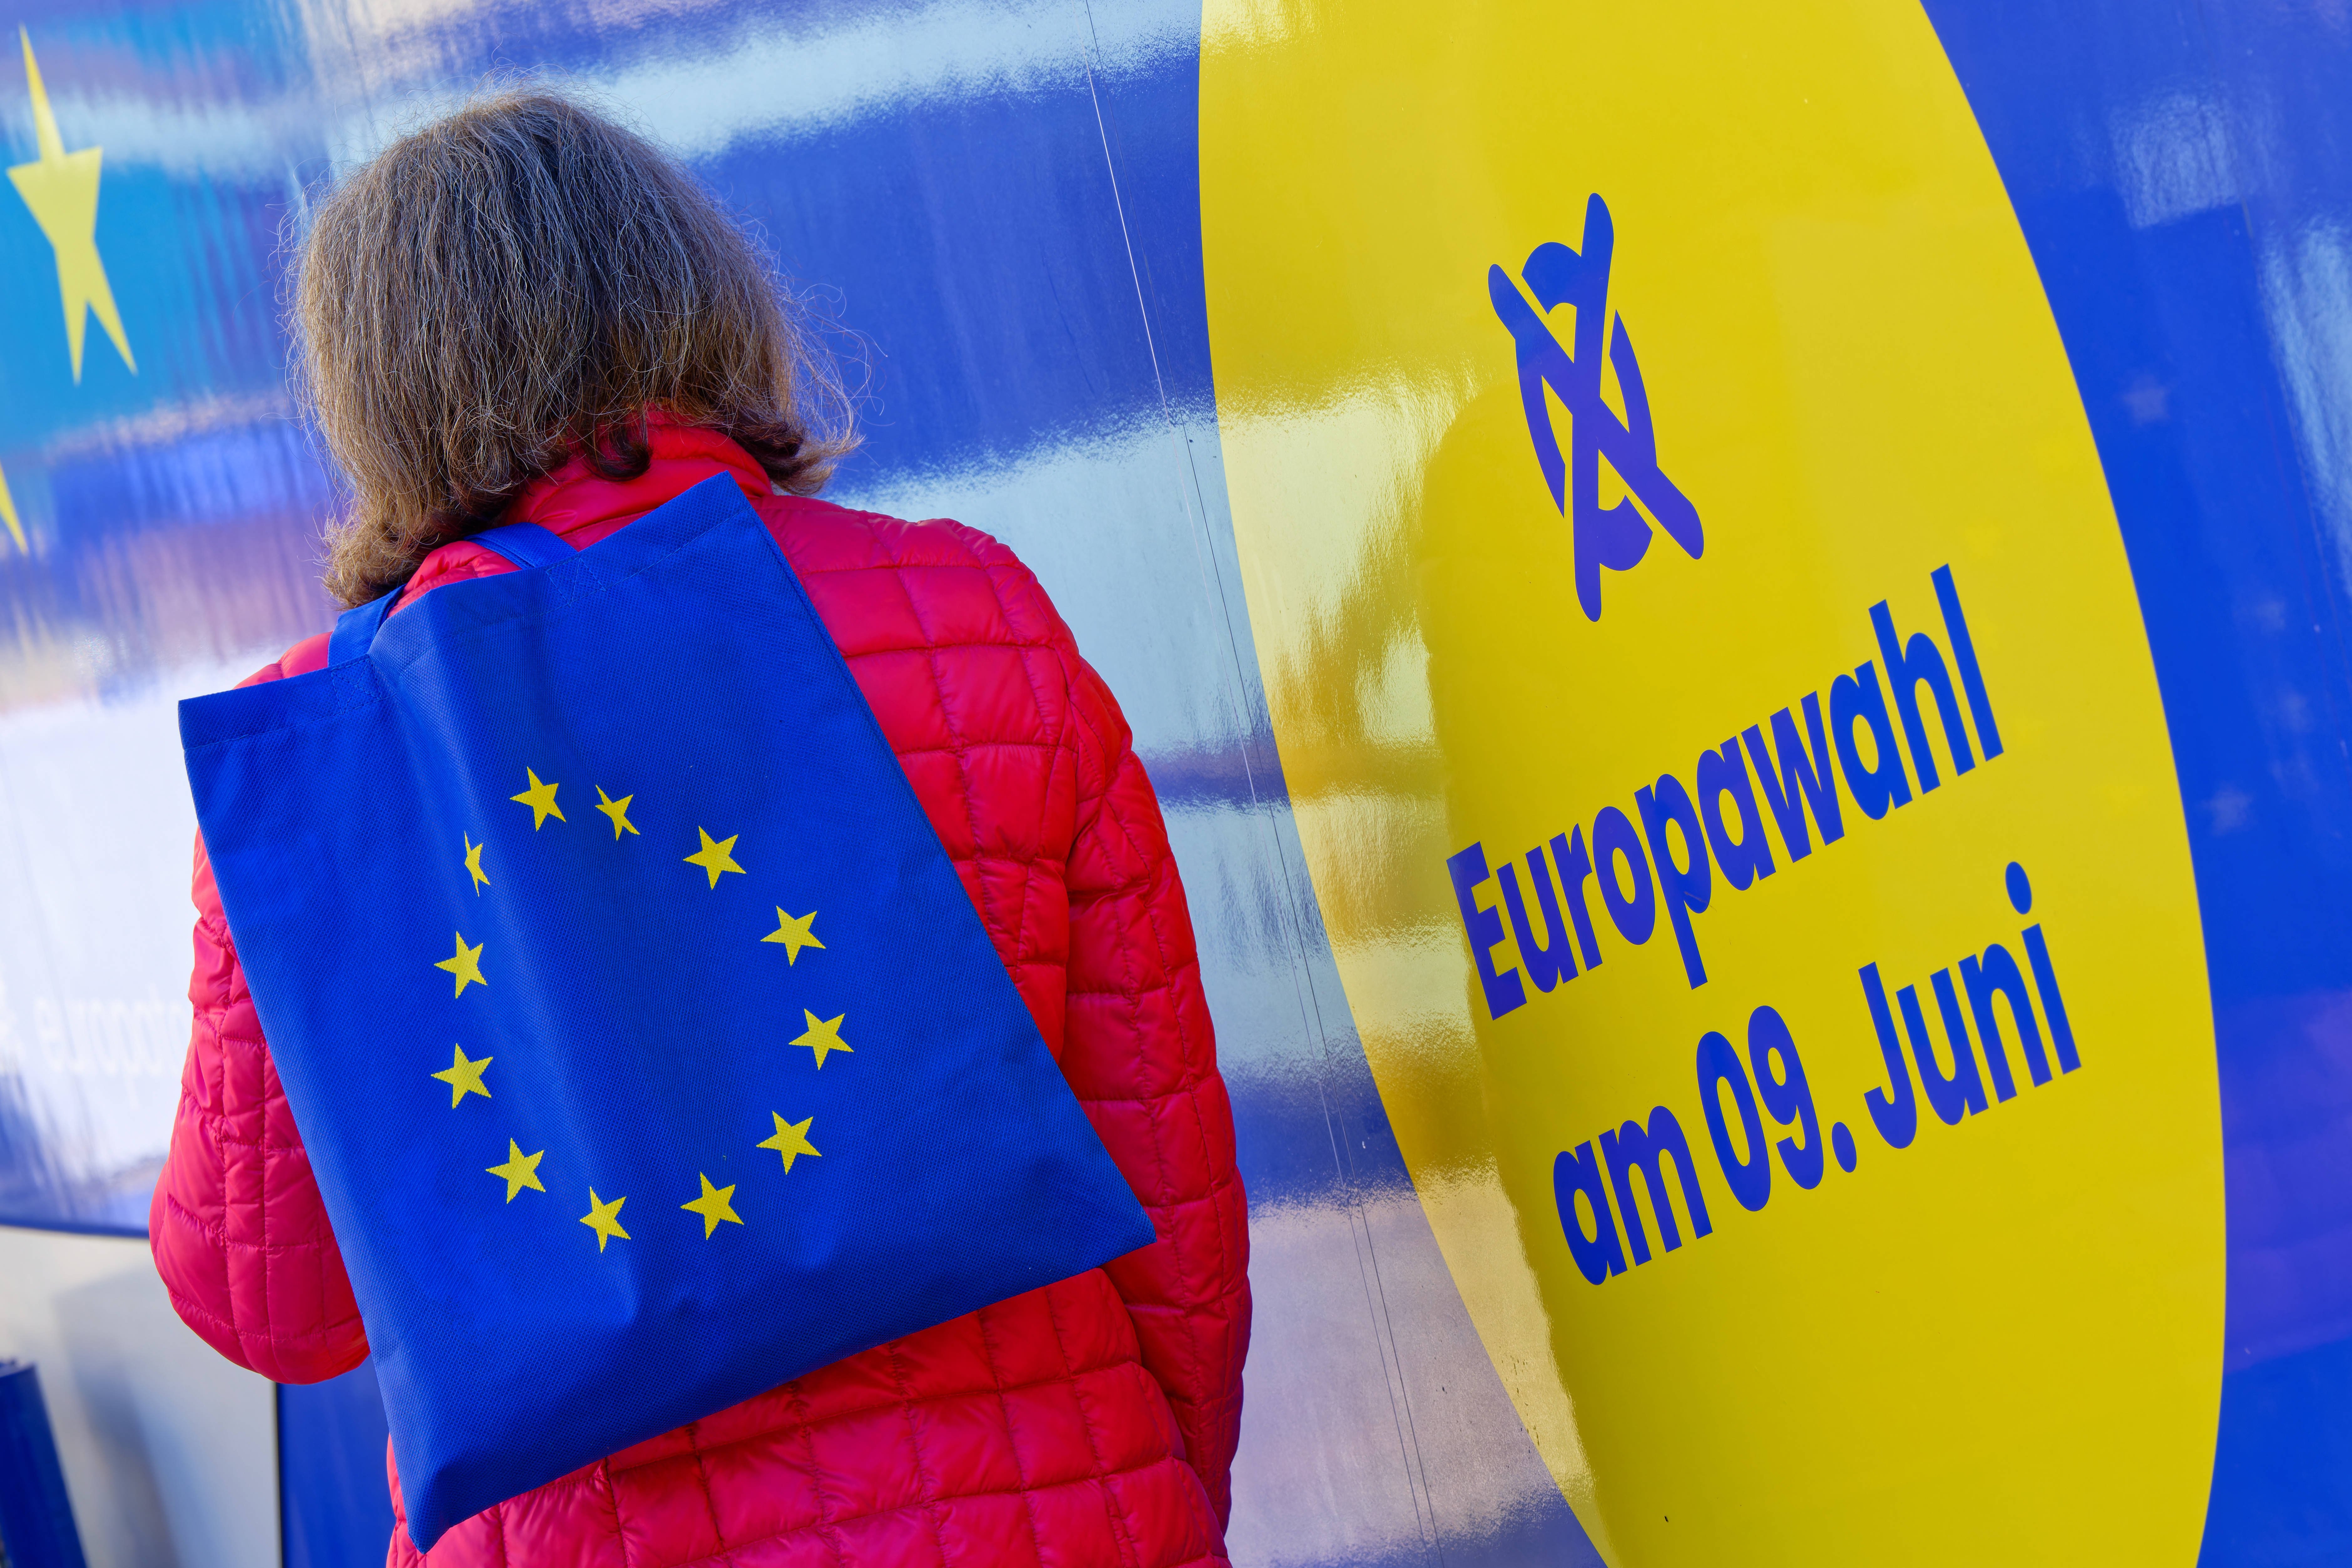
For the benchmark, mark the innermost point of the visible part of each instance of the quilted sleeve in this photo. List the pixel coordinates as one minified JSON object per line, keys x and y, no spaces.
{"x":1141,"y":1053}
{"x":237,"y":1229}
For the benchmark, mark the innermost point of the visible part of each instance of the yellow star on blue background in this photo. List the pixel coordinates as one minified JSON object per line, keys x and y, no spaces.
{"x":541,"y":798}
{"x":790,"y":1140}
{"x":794,"y":932}
{"x":8,"y":515}
{"x":616,"y":810}
{"x":715,"y":856}
{"x":61,"y":189}
{"x":465,"y":964}
{"x":463,"y":1077}
{"x":712,"y":1206}
{"x":521,"y":1171}
{"x":822,"y":1035}
{"x":604,"y":1219}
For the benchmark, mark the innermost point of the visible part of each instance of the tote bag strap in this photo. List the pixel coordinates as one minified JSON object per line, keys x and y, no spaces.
{"x":526,"y":544}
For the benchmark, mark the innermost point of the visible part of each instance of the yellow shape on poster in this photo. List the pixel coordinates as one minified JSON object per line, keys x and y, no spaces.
{"x":61,"y":190}
{"x":2001,"y":1342}
{"x":8,"y":515}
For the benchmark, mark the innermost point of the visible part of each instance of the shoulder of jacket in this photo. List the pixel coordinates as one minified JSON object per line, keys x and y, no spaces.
{"x":304,"y":657}
{"x":453,"y":563}
{"x":824,"y":536}
{"x":823,"y":539}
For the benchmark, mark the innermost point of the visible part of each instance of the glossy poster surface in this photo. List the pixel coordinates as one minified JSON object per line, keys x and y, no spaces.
{"x":1732,"y":787}
{"x":1703,"y":631}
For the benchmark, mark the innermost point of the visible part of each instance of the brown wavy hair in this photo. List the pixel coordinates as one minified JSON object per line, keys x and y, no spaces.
{"x":519,"y":283}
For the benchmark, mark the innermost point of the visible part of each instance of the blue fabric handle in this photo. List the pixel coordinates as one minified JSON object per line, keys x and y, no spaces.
{"x":524,"y":543}
{"x":355,"y":628}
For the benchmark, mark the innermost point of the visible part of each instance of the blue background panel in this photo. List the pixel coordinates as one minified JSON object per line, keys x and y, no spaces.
{"x":2180,"y":173}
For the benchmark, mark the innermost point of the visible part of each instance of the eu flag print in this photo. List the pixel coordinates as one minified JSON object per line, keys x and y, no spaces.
{"x":647,"y":1049}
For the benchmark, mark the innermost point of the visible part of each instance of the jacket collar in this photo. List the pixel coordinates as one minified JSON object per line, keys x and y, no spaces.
{"x":582,"y":506}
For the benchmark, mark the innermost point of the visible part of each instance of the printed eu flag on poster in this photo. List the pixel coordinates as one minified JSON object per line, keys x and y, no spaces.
{"x":646,"y":1047}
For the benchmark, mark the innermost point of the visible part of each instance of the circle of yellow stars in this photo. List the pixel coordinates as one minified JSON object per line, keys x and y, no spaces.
{"x":464,"y":1075}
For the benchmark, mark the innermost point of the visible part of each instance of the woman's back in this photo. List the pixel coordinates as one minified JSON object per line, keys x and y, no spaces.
{"x":1092,"y":1421}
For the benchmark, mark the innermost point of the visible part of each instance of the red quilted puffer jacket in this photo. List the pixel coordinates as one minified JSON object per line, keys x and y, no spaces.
{"x":1090,"y":1422}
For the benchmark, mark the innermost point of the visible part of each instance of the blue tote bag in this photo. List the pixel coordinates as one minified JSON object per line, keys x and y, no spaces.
{"x":647,"y":1049}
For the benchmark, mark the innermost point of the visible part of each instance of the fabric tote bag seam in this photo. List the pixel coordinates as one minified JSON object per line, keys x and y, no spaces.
{"x":292,"y":726}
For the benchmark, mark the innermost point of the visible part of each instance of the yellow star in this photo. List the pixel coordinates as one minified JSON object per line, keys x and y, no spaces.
{"x":61,"y":189}
{"x":794,"y":932}
{"x":714,"y":857}
{"x":541,"y":798}
{"x":465,"y":964}
{"x":822,"y":1037}
{"x":790,"y":1140}
{"x":614,"y":808}
{"x":712,"y":1205}
{"x":464,"y":1078}
{"x":474,"y":864}
{"x":9,"y":516}
{"x":521,"y":1171}
{"x":604,"y":1219}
